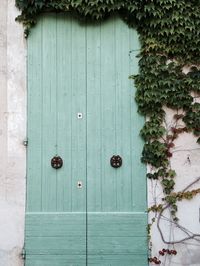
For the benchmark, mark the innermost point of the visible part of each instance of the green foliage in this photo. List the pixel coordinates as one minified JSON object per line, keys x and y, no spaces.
{"x":162,"y":173}
{"x":153,"y":129}
{"x":156,"y":208}
{"x":83,"y":9}
{"x":168,"y":185}
{"x":192,"y":119}
{"x":155,"y":153}
{"x":161,"y":84}
{"x":193,"y":79}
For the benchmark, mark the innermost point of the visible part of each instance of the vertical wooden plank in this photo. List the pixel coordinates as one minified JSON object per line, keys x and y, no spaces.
{"x":113,"y":127}
{"x":138,"y":169}
{"x":56,"y":218}
{"x":108,"y":116}
{"x":64,"y":113}
{"x":49,"y":111}
{"x":94,"y":129}
{"x":123,"y":116}
{"x":78,"y":140}
{"x":35,"y":127}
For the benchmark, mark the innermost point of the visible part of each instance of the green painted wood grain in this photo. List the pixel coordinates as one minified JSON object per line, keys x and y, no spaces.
{"x":49,"y":113}
{"x":64,"y":113}
{"x":102,"y":260}
{"x":78,"y":76}
{"x":35,"y":125}
{"x":113,"y":127}
{"x":57,"y":92}
{"x":73,"y":69}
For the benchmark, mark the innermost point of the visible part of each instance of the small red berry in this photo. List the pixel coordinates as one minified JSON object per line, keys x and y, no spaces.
{"x":174,"y":252}
{"x":173,"y":129}
{"x":169,"y":154}
{"x":171,"y":145}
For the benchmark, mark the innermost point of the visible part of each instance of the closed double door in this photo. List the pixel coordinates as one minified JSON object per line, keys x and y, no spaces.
{"x":82,"y":113}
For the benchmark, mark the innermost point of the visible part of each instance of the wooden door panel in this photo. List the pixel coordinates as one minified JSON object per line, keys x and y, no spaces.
{"x":114,"y":238}
{"x":116,"y":198}
{"x":56,"y":207}
{"x":83,"y":69}
{"x":113,"y":124}
{"x":56,"y":234}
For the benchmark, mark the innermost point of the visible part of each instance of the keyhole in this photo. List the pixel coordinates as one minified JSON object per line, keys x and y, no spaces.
{"x":80,"y":115}
{"x":79,"y":184}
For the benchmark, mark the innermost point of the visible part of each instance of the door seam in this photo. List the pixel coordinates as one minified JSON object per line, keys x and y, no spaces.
{"x":86,"y":109}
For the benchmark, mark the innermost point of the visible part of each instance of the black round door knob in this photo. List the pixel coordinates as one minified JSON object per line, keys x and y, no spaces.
{"x":116,"y":161}
{"x":56,"y":162}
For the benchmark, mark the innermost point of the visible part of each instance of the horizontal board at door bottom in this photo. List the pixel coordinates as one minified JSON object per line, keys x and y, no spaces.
{"x":55,"y":224}
{"x":118,"y":260}
{"x":117,"y":234}
{"x":117,"y":224}
{"x":78,"y":260}
{"x":96,"y":245}
{"x":59,"y":217}
{"x":67,"y":234}
{"x":45,"y":235}
{"x":56,"y":245}
{"x":49,"y":260}
{"x":117,"y":245}
{"x":74,"y":224}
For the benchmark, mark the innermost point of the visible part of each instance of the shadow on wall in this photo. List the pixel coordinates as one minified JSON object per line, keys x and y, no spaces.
{"x":11,"y":257}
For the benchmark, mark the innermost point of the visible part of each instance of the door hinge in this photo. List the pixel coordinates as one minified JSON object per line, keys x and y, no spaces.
{"x":23,"y":254}
{"x":25,"y":142}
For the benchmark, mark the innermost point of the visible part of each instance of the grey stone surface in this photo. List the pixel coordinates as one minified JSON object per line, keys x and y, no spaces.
{"x":12,"y":133}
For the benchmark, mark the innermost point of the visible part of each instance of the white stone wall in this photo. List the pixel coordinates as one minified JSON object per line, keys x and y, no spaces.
{"x":12,"y":134}
{"x":186,"y":158}
{"x":186,"y":162}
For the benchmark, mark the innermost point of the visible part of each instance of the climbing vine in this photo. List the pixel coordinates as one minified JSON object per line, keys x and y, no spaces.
{"x":169,"y":77}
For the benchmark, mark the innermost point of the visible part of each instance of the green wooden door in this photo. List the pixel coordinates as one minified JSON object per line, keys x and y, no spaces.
{"x":81,"y":107}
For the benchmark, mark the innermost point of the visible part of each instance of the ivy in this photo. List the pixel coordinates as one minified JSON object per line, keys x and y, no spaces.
{"x":192,"y":119}
{"x":153,"y":128}
{"x":87,"y":9}
{"x":155,"y":153}
{"x":169,"y":33}
{"x":168,"y":185}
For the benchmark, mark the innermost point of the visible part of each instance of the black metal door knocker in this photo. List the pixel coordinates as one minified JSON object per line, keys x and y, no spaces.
{"x":56,"y":162}
{"x":116,"y":161}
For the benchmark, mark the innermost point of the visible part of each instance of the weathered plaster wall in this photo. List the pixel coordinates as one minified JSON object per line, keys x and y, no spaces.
{"x":186,"y":162}
{"x":186,"y":158}
{"x":12,"y":133}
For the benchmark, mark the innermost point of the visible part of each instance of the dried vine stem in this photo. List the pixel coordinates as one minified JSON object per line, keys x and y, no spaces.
{"x":193,"y":236}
